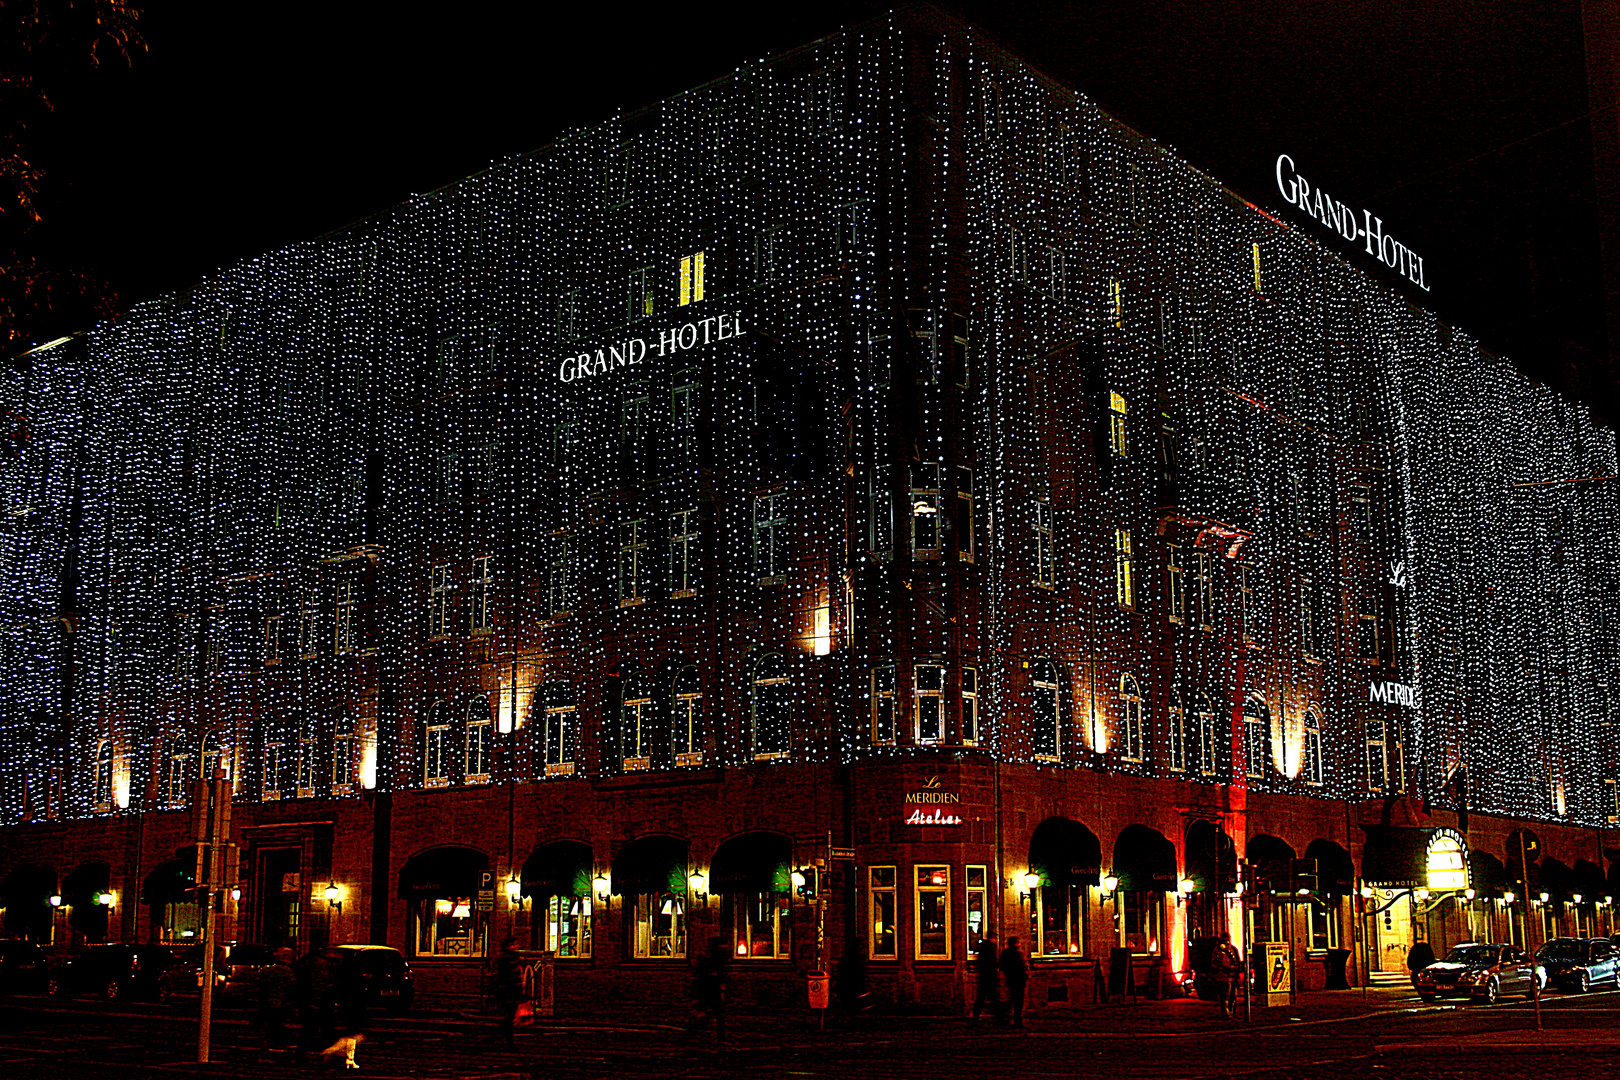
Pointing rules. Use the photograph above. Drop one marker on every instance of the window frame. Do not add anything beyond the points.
(1124, 574)
(1130, 708)
(876, 889)
(1045, 544)
(928, 895)
(970, 705)
(884, 701)
(687, 705)
(684, 547)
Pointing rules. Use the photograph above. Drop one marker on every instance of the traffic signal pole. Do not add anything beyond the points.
(213, 836)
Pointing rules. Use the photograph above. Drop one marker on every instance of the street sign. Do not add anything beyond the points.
(842, 853)
(485, 901)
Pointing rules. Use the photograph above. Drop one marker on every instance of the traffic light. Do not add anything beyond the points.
(1303, 880)
(806, 881)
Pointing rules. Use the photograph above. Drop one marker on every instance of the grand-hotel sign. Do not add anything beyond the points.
(1342, 219)
(632, 351)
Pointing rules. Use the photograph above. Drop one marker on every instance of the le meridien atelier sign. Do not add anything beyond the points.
(632, 351)
(1341, 218)
(932, 805)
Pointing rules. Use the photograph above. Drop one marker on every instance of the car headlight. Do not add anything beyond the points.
(1468, 978)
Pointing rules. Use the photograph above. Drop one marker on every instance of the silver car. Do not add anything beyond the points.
(1478, 971)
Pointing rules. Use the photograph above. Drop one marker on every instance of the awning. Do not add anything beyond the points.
(1395, 857)
(28, 884)
(1273, 856)
(1487, 874)
(1144, 861)
(1065, 853)
(560, 868)
(1211, 858)
(1586, 878)
(443, 872)
(171, 882)
(757, 862)
(1556, 879)
(652, 864)
(80, 888)
(1335, 872)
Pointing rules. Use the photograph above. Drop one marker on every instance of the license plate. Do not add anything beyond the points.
(388, 993)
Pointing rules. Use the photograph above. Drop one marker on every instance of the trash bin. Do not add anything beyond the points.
(1334, 963)
(817, 981)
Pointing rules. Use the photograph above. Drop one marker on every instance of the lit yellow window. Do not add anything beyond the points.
(1119, 304)
(1124, 579)
(691, 279)
(1116, 424)
(1256, 252)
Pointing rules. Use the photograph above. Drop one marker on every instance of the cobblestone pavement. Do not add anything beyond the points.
(1384, 1033)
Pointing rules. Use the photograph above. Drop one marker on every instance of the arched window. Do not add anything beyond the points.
(1312, 769)
(1130, 715)
(560, 735)
(772, 706)
(635, 722)
(1043, 693)
(436, 746)
(1256, 736)
(1176, 732)
(1206, 735)
(687, 719)
(476, 740)
(102, 795)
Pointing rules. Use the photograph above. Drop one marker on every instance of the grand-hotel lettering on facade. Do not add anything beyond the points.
(880, 461)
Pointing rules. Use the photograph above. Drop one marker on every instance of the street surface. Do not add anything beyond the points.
(1387, 1033)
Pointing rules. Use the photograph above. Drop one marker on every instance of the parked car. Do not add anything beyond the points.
(24, 968)
(383, 974)
(1479, 971)
(237, 970)
(1577, 963)
(117, 971)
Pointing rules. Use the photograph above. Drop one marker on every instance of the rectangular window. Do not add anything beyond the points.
(1124, 578)
(1058, 921)
(883, 943)
(568, 327)
(1141, 922)
(342, 762)
(1206, 590)
(270, 780)
(1116, 303)
(481, 618)
(559, 584)
(964, 514)
(1246, 602)
(976, 905)
(659, 919)
(691, 289)
(1018, 254)
(1117, 444)
(1206, 740)
(920, 321)
(882, 523)
(632, 562)
(1324, 926)
(931, 904)
(1309, 645)
(568, 926)
(476, 761)
(272, 638)
(759, 925)
(1611, 801)
(559, 738)
(926, 511)
(436, 755)
(185, 644)
(970, 706)
(883, 705)
(439, 602)
(308, 619)
(1176, 723)
(1377, 757)
(852, 239)
(1367, 627)
(641, 293)
(683, 550)
(478, 479)
(1177, 583)
(1254, 745)
(770, 523)
(1361, 515)
(771, 254)
(929, 703)
(1255, 253)
(683, 406)
(343, 625)
(616, 174)
(446, 479)
(958, 361)
(1045, 555)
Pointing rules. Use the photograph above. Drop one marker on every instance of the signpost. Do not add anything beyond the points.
(211, 807)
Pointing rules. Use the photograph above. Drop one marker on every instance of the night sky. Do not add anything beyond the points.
(1461, 123)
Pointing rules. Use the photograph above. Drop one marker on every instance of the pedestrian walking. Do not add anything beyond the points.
(316, 991)
(277, 987)
(988, 992)
(1015, 971)
(1225, 965)
(508, 990)
(348, 1013)
(709, 990)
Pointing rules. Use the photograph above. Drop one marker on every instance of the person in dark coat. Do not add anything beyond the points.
(277, 987)
(709, 989)
(1016, 973)
(988, 994)
(508, 990)
(317, 992)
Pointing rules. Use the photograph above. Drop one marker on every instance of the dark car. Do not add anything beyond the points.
(383, 976)
(1577, 963)
(24, 968)
(117, 971)
(1478, 971)
(237, 970)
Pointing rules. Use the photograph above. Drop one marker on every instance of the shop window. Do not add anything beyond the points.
(659, 919)
(1043, 691)
(964, 514)
(475, 761)
(1045, 553)
(1206, 736)
(448, 926)
(931, 907)
(929, 703)
(884, 941)
(1177, 583)
(1058, 921)
(1256, 737)
(1324, 924)
(1141, 920)
(568, 926)
(970, 706)
(481, 589)
(760, 924)
(926, 512)
(635, 722)
(688, 719)
(770, 535)
(683, 551)
(1124, 577)
(439, 602)
(976, 905)
(560, 736)
(772, 707)
(883, 705)
(1130, 714)
(1176, 733)
(1116, 425)
(632, 562)
(1312, 766)
(691, 279)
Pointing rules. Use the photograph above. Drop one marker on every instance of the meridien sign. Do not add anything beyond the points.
(1342, 219)
(632, 351)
